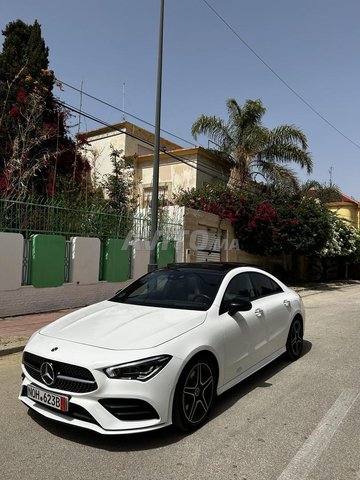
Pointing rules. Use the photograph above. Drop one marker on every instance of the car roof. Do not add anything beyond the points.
(215, 266)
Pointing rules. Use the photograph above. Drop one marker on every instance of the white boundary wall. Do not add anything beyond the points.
(85, 260)
(141, 258)
(28, 299)
(11, 259)
(84, 287)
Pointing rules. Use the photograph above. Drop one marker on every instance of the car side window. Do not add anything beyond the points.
(264, 285)
(239, 286)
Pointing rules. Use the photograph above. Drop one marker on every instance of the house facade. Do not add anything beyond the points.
(348, 209)
(182, 168)
(179, 168)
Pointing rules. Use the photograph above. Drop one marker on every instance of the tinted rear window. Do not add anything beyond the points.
(264, 285)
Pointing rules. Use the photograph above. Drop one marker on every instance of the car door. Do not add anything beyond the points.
(245, 337)
(273, 307)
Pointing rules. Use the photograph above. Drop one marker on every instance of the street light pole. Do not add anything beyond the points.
(155, 192)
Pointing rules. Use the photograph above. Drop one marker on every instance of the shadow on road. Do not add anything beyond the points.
(166, 436)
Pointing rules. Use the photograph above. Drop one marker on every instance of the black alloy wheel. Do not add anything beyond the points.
(295, 341)
(194, 394)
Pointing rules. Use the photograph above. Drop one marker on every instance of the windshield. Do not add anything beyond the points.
(190, 289)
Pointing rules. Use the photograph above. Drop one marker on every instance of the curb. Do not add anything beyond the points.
(9, 350)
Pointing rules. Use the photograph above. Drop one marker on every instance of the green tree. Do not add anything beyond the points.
(119, 186)
(252, 149)
(35, 146)
(24, 49)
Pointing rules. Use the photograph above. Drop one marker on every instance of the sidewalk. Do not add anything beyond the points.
(15, 331)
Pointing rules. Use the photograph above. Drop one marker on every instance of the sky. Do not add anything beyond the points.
(312, 45)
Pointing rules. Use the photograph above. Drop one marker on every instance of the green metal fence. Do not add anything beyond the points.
(32, 218)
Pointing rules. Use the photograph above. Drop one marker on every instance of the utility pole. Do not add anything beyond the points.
(155, 192)
(78, 130)
(123, 101)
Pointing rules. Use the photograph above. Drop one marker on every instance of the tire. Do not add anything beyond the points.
(295, 340)
(194, 394)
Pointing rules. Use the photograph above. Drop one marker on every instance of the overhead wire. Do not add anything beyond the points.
(93, 97)
(253, 51)
(284, 82)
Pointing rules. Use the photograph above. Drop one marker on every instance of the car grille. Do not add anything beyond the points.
(69, 378)
(129, 409)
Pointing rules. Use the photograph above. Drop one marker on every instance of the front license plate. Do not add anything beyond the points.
(59, 402)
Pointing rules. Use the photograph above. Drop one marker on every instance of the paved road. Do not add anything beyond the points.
(292, 421)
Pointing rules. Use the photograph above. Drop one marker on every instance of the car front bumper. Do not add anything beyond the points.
(115, 406)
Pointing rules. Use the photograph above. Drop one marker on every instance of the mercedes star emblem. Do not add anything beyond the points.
(47, 373)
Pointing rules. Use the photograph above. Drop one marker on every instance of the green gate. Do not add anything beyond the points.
(116, 260)
(166, 253)
(47, 260)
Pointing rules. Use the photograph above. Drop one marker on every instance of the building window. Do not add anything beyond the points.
(163, 196)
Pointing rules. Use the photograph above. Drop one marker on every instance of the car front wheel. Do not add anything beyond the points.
(194, 394)
(295, 341)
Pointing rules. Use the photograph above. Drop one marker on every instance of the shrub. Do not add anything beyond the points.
(264, 223)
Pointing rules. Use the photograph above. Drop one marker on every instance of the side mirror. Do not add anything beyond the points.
(240, 305)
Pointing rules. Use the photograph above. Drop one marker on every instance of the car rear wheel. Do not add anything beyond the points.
(194, 394)
(295, 341)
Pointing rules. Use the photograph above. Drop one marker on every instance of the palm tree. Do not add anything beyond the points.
(252, 149)
(326, 193)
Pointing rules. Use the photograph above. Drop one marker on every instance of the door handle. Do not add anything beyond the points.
(286, 303)
(259, 312)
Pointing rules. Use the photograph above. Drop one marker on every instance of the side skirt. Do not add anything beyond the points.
(251, 370)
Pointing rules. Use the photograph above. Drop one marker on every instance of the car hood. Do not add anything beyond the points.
(119, 326)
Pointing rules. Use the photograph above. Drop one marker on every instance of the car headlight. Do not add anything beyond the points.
(139, 370)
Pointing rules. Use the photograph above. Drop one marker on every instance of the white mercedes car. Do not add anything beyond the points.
(162, 349)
